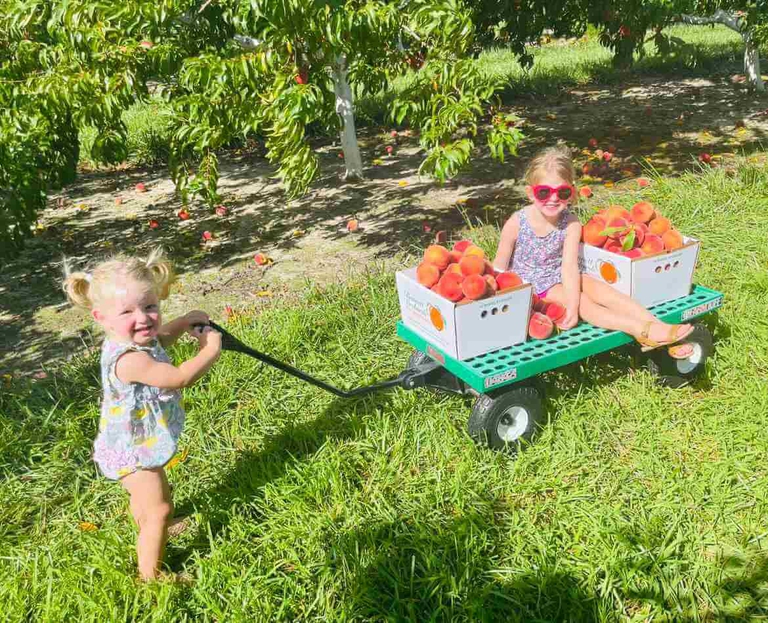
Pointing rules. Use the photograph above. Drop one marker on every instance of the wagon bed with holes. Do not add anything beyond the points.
(508, 407)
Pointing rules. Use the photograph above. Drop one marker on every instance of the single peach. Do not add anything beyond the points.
(612, 246)
(449, 286)
(585, 191)
(427, 274)
(652, 244)
(454, 267)
(617, 211)
(672, 239)
(437, 255)
(474, 287)
(474, 250)
(590, 233)
(659, 225)
(555, 312)
(633, 253)
(507, 280)
(472, 265)
(642, 212)
(462, 245)
(540, 326)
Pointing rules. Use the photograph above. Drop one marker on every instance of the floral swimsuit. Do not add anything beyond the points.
(140, 424)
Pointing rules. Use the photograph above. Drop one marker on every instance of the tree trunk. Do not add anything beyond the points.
(345, 109)
(751, 49)
(752, 64)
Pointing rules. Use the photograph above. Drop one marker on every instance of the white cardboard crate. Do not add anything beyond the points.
(649, 280)
(467, 329)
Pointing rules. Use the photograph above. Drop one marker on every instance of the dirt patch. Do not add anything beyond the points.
(659, 124)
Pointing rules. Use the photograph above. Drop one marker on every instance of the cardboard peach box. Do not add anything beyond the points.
(469, 328)
(651, 279)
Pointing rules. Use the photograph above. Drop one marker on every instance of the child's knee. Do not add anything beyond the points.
(159, 514)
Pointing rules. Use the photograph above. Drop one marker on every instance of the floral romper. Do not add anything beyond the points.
(140, 424)
(539, 260)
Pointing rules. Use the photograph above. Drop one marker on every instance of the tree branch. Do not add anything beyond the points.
(718, 17)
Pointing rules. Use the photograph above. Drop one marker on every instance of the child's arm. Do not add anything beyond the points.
(507, 243)
(171, 331)
(570, 274)
(140, 367)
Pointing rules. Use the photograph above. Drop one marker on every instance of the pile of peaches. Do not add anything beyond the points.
(637, 232)
(463, 273)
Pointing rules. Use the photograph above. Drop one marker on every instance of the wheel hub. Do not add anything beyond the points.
(512, 424)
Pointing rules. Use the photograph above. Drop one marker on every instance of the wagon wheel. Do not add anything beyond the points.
(507, 419)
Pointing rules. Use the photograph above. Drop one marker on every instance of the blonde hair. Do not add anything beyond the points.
(88, 289)
(552, 159)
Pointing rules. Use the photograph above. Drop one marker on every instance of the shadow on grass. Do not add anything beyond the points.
(241, 486)
(427, 569)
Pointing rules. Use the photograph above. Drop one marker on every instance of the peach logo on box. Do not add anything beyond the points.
(608, 271)
(436, 318)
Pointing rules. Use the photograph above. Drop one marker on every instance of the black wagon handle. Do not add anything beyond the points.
(408, 379)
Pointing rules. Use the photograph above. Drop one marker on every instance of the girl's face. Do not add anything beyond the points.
(551, 206)
(132, 314)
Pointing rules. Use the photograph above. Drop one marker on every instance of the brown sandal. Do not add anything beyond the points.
(646, 343)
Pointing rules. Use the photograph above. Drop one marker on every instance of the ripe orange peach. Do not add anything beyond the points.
(633, 253)
(427, 274)
(474, 250)
(585, 191)
(472, 265)
(642, 212)
(540, 326)
(590, 233)
(508, 280)
(462, 245)
(454, 267)
(659, 225)
(449, 286)
(613, 246)
(474, 287)
(672, 239)
(493, 287)
(437, 255)
(617, 211)
(652, 244)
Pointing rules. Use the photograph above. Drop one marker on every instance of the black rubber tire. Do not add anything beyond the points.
(672, 372)
(507, 419)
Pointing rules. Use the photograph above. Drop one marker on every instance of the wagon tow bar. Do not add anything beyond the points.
(410, 378)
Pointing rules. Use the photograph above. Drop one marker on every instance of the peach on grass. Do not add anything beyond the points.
(585, 191)
(652, 244)
(437, 255)
(591, 232)
(449, 286)
(427, 274)
(261, 259)
(474, 287)
(642, 212)
(472, 265)
(508, 279)
(659, 225)
(353, 225)
(540, 327)
(672, 239)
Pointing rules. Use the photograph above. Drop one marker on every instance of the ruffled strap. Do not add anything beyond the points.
(113, 352)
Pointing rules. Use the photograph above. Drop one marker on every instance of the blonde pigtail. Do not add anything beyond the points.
(77, 287)
(162, 273)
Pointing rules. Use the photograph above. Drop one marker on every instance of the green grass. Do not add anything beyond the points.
(635, 503)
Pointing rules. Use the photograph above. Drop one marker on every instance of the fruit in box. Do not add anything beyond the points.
(633, 233)
(462, 273)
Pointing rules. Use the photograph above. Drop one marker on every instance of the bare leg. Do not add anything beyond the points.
(152, 509)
